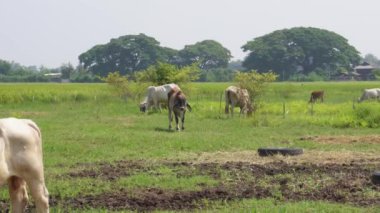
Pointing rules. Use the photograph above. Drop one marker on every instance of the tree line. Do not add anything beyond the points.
(301, 53)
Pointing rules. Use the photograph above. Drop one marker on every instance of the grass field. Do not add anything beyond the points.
(101, 154)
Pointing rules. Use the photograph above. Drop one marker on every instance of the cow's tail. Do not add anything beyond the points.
(34, 126)
(189, 107)
(227, 96)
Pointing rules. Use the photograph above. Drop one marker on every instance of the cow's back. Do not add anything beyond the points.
(233, 89)
(20, 146)
(233, 93)
(371, 93)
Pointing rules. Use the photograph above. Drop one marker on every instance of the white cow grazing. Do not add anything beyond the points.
(21, 163)
(236, 96)
(157, 95)
(370, 94)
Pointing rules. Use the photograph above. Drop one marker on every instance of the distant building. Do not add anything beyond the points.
(346, 76)
(364, 71)
(54, 77)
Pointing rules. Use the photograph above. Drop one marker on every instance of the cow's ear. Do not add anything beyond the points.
(188, 107)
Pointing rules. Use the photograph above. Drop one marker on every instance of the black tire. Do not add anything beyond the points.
(376, 177)
(281, 151)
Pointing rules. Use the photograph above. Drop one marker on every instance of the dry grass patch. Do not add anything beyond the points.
(28, 114)
(123, 121)
(343, 139)
(312, 157)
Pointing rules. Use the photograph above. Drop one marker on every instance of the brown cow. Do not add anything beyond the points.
(316, 95)
(177, 104)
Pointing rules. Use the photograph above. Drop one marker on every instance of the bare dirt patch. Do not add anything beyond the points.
(109, 171)
(343, 139)
(346, 183)
(285, 181)
(312, 157)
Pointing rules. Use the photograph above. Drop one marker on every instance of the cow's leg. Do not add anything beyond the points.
(40, 194)
(170, 119)
(183, 121)
(159, 106)
(176, 121)
(227, 108)
(18, 194)
(155, 103)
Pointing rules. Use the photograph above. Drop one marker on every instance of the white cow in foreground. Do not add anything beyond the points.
(236, 96)
(370, 94)
(21, 163)
(157, 95)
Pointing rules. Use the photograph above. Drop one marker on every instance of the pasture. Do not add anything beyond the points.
(101, 154)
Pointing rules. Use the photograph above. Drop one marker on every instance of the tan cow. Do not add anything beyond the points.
(21, 163)
(236, 96)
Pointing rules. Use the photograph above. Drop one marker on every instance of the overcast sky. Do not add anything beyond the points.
(53, 32)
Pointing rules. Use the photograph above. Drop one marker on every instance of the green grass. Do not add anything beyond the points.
(86, 123)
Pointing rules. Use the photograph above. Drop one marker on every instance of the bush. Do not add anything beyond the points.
(118, 82)
(368, 115)
(84, 77)
(123, 87)
(216, 75)
(164, 73)
(312, 76)
(255, 83)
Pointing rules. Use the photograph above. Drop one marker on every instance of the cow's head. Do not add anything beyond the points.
(180, 102)
(143, 107)
(250, 109)
(246, 100)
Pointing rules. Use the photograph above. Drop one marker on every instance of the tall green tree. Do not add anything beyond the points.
(300, 50)
(208, 54)
(372, 59)
(66, 70)
(5, 67)
(125, 54)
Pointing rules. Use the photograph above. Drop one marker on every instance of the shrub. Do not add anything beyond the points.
(118, 82)
(368, 115)
(164, 73)
(254, 82)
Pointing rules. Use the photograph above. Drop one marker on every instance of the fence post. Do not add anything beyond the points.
(220, 104)
(353, 104)
(312, 108)
(283, 109)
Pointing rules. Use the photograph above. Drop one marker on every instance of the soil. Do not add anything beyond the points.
(344, 139)
(337, 183)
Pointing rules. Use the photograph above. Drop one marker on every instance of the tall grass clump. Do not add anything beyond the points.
(368, 115)
(51, 93)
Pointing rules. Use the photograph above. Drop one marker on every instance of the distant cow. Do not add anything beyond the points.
(177, 104)
(21, 163)
(370, 94)
(157, 95)
(236, 96)
(315, 95)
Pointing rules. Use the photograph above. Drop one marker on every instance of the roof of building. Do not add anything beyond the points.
(363, 66)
